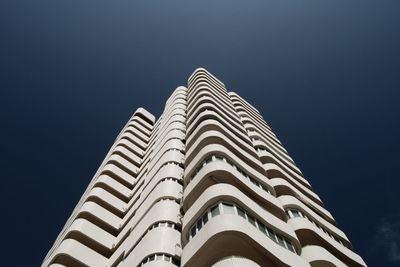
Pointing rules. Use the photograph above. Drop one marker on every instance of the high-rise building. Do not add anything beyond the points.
(207, 184)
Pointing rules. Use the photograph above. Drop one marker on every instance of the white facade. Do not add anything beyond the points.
(207, 184)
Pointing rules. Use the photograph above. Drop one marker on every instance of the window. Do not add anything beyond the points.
(193, 231)
(205, 218)
(272, 235)
(214, 211)
(251, 220)
(228, 209)
(292, 213)
(280, 240)
(290, 246)
(241, 212)
(261, 227)
(296, 213)
(199, 224)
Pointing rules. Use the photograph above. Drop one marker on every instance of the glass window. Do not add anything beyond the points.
(251, 219)
(261, 227)
(295, 213)
(287, 213)
(271, 234)
(193, 231)
(205, 218)
(176, 262)
(199, 224)
(167, 258)
(280, 240)
(228, 208)
(219, 158)
(159, 257)
(151, 258)
(241, 212)
(215, 211)
(290, 246)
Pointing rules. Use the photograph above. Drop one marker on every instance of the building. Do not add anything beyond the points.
(207, 184)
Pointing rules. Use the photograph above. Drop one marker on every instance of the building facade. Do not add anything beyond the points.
(207, 184)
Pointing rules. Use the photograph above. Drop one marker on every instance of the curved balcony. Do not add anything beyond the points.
(210, 133)
(144, 114)
(111, 185)
(238, 98)
(289, 202)
(212, 114)
(127, 143)
(215, 149)
(160, 214)
(134, 139)
(260, 124)
(203, 75)
(320, 257)
(229, 234)
(160, 260)
(140, 125)
(164, 189)
(123, 164)
(169, 156)
(133, 129)
(255, 133)
(208, 103)
(274, 171)
(251, 126)
(128, 155)
(232, 261)
(230, 193)
(257, 118)
(215, 125)
(119, 175)
(73, 253)
(162, 240)
(205, 95)
(200, 73)
(219, 172)
(267, 144)
(272, 143)
(282, 187)
(91, 236)
(205, 84)
(100, 216)
(309, 234)
(267, 157)
(107, 201)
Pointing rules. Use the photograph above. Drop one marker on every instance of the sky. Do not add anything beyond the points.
(324, 74)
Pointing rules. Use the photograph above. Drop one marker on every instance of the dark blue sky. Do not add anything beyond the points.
(324, 74)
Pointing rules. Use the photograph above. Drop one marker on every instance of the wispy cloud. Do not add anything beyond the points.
(388, 238)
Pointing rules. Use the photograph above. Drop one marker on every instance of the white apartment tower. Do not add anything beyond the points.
(207, 184)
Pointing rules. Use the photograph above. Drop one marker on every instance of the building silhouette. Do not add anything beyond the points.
(207, 184)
